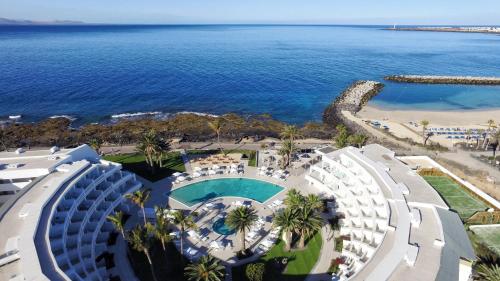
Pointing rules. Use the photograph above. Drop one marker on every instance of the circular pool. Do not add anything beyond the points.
(222, 228)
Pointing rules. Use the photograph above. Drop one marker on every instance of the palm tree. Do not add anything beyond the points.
(140, 197)
(495, 141)
(140, 240)
(117, 219)
(287, 149)
(308, 222)
(96, 144)
(241, 219)
(207, 268)
(468, 134)
(314, 201)
(341, 139)
(482, 134)
(216, 126)
(358, 140)
(294, 199)
(184, 221)
(290, 132)
(491, 124)
(489, 272)
(149, 146)
(424, 124)
(161, 229)
(287, 220)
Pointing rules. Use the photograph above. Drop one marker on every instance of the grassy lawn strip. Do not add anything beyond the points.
(136, 163)
(300, 262)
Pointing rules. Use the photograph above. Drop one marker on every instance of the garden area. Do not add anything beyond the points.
(298, 262)
(458, 199)
(136, 163)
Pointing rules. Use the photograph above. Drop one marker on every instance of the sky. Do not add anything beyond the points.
(477, 12)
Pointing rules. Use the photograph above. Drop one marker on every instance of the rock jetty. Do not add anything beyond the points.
(467, 29)
(430, 79)
(352, 99)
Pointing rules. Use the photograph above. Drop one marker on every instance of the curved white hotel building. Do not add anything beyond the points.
(394, 225)
(54, 227)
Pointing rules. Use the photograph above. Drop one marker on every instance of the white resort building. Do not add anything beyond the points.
(394, 225)
(55, 227)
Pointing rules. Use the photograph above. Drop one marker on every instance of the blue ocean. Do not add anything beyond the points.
(291, 72)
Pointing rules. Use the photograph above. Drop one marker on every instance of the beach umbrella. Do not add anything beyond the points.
(176, 174)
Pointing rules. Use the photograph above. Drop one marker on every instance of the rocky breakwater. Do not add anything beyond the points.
(430, 79)
(352, 99)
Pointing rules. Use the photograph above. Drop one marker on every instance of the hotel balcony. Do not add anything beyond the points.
(72, 242)
(73, 228)
(78, 216)
(93, 195)
(91, 227)
(87, 238)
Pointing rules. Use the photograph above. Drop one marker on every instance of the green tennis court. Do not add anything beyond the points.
(456, 197)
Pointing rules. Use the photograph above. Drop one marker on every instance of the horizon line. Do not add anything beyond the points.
(77, 23)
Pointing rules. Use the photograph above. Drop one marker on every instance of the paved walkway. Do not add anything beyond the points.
(327, 254)
(185, 159)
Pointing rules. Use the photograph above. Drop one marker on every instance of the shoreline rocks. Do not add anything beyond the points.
(430, 79)
(352, 99)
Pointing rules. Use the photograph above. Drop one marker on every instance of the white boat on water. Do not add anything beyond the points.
(15, 117)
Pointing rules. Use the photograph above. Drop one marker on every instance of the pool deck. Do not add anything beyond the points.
(227, 255)
(159, 197)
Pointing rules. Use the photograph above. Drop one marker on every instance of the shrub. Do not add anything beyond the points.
(338, 244)
(255, 271)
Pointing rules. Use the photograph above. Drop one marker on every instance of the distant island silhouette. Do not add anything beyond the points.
(5, 21)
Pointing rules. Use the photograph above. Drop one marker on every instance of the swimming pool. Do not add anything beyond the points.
(202, 191)
(221, 227)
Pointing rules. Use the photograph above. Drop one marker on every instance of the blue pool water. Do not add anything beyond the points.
(237, 187)
(291, 72)
(222, 228)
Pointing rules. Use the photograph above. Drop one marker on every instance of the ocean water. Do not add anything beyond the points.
(292, 72)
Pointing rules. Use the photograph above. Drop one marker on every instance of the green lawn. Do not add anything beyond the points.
(456, 197)
(300, 262)
(136, 163)
(489, 236)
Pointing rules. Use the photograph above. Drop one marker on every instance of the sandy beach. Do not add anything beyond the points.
(405, 123)
(444, 118)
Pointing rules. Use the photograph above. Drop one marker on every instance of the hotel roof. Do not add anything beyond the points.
(440, 237)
